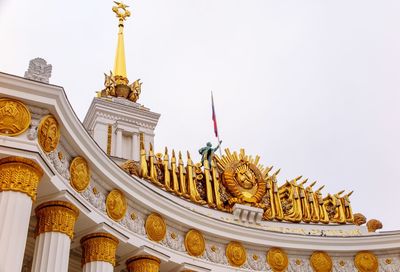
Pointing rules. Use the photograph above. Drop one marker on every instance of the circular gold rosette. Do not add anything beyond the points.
(366, 262)
(155, 227)
(321, 262)
(194, 243)
(242, 177)
(80, 174)
(277, 259)
(236, 254)
(48, 133)
(116, 205)
(15, 117)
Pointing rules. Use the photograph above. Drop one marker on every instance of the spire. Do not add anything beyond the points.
(120, 65)
(116, 83)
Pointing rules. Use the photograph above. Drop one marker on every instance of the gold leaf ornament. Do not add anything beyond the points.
(277, 259)
(194, 243)
(236, 254)
(15, 117)
(80, 174)
(116, 205)
(321, 262)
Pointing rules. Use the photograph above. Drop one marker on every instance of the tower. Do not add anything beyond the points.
(115, 120)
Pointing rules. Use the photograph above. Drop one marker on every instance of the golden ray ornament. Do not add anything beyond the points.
(366, 261)
(236, 254)
(15, 117)
(48, 133)
(116, 205)
(277, 259)
(321, 262)
(80, 174)
(194, 243)
(156, 228)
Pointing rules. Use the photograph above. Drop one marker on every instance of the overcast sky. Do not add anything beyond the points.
(313, 87)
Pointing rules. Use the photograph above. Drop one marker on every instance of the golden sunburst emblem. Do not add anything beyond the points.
(243, 176)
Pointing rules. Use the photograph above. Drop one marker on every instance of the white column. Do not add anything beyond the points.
(19, 180)
(118, 144)
(98, 252)
(98, 267)
(54, 230)
(135, 147)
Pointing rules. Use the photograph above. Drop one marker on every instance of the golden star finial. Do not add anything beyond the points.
(121, 11)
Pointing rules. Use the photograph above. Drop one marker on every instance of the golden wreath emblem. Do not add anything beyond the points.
(194, 243)
(242, 176)
(236, 254)
(156, 228)
(366, 261)
(15, 117)
(80, 174)
(321, 262)
(48, 133)
(277, 259)
(116, 205)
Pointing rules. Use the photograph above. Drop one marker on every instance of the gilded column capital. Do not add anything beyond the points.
(143, 263)
(20, 175)
(56, 216)
(100, 247)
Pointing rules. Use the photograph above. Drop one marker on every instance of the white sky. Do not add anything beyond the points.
(310, 86)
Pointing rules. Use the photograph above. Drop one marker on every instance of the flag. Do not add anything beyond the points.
(214, 117)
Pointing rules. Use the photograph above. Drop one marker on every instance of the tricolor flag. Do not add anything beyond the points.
(214, 117)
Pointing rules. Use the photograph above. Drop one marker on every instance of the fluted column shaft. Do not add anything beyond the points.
(19, 179)
(143, 263)
(98, 252)
(54, 232)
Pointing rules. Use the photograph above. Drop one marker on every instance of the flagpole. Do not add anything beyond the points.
(214, 117)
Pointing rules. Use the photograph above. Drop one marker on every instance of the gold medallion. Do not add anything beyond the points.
(236, 254)
(366, 262)
(15, 117)
(80, 174)
(48, 133)
(116, 205)
(155, 227)
(194, 243)
(321, 262)
(277, 259)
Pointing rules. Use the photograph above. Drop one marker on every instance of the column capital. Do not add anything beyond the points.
(143, 263)
(20, 174)
(56, 216)
(100, 247)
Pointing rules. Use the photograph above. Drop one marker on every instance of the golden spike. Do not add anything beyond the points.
(349, 194)
(175, 182)
(277, 172)
(303, 182)
(217, 195)
(120, 63)
(209, 191)
(320, 188)
(143, 162)
(188, 155)
(235, 156)
(182, 180)
(299, 177)
(167, 178)
(341, 192)
(312, 184)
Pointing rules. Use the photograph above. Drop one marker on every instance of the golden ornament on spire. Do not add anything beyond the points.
(116, 83)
